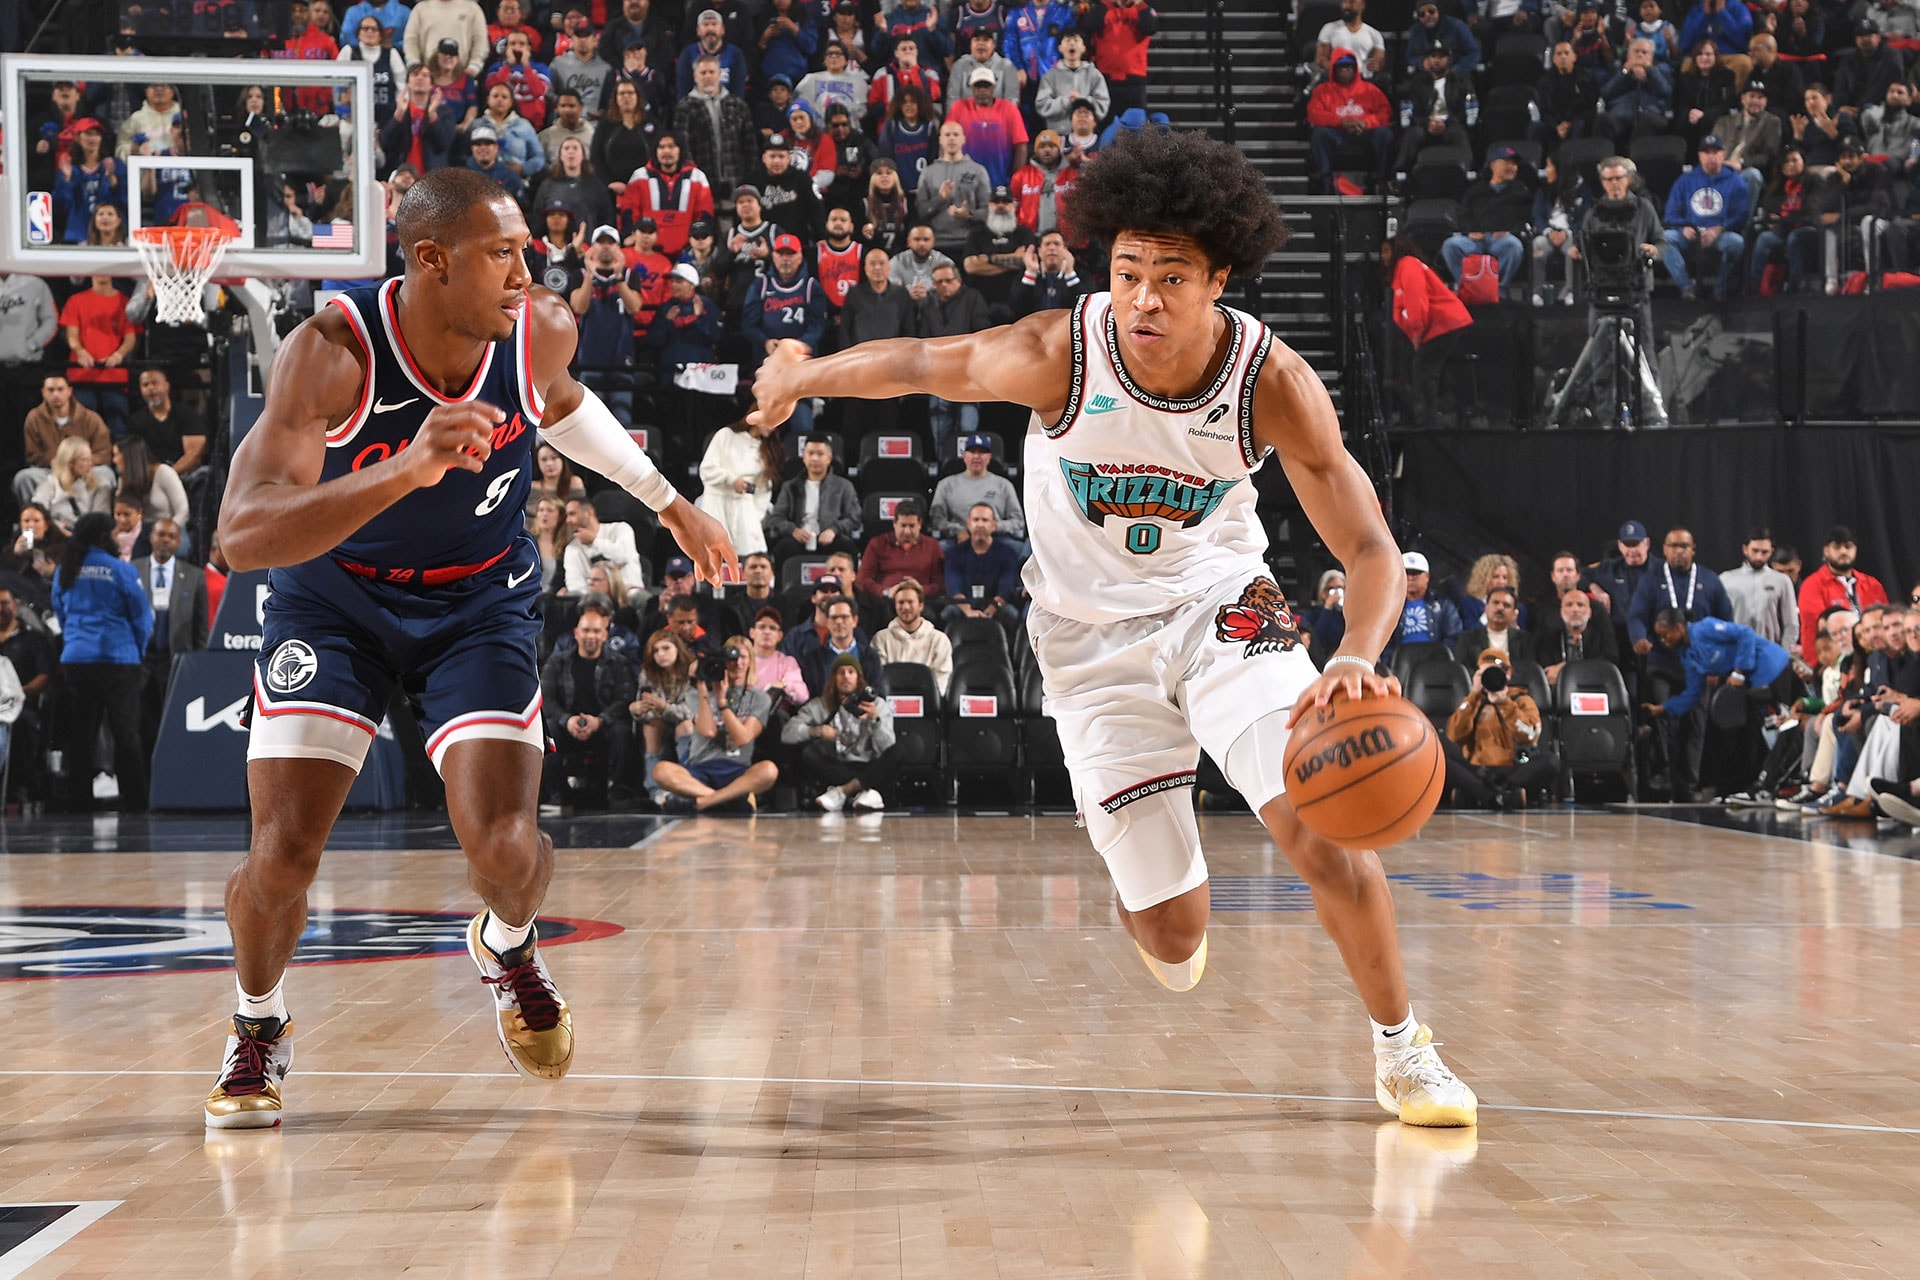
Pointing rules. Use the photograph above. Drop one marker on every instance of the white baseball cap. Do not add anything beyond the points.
(1414, 562)
(686, 271)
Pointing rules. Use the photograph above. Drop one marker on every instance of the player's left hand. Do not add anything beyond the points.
(774, 392)
(1348, 678)
(705, 541)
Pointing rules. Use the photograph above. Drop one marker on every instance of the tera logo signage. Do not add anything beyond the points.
(80, 942)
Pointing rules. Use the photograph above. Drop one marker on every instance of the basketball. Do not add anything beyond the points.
(1365, 774)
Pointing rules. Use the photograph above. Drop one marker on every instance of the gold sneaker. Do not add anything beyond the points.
(259, 1051)
(535, 1027)
(1184, 976)
(1413, 1084)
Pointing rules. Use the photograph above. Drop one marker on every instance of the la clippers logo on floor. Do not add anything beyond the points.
(1261, 620)
(79, 942)
(293, 666)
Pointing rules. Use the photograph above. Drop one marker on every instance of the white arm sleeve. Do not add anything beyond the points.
(594, 438)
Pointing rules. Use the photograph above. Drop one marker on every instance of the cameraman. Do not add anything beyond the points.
(1486, 735)
(1621, 209)
(724, 715)
(849, 745)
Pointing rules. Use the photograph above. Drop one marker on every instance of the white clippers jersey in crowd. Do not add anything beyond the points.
(1135, 504)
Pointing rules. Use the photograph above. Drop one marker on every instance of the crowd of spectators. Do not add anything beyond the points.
(1756, 685)
(1773, 142)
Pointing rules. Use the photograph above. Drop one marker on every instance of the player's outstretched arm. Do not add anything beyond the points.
(585, 430)
(1293, 415)
(1024, 363)
(276, 511)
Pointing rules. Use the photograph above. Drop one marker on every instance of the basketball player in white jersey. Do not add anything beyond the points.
(1157, 628)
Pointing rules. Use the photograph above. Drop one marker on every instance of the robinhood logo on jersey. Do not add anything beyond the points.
(1143, 490)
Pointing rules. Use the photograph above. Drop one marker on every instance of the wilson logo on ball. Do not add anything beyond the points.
(1358, 746)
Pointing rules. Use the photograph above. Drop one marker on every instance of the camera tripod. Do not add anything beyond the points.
(1612, 382)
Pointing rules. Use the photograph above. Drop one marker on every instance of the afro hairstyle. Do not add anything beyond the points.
(1177, 183)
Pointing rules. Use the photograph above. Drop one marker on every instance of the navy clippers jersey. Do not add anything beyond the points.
(471, 517)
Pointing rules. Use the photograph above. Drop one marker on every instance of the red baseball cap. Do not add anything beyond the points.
(786, 244)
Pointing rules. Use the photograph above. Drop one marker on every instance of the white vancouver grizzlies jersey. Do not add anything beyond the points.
(1137, 504)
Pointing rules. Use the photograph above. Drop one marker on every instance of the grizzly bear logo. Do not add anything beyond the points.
(1261, 620)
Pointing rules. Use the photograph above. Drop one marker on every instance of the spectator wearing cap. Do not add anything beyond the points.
(716, 126)
(710, 41)
(977, 483)
(1612, 580)
(643, 22)
(1705, 209)
(581, 72)
(1121, 32)
(686, 330)
(787, 196)
(1753, 136)
(672, 192)
(770, 109)
(996, 254)
(1424, 617)
(983, 573)
(87, 178)
(1729, 26)
(1438, 94)
(816, 511)
(1040, 182)
(848, 751)
(1048, 281)
(1432, 29)
(434, 22)
(784, 301)
(789, 39)
(995, 135)
(702, 251)
(907, 67)
(570, 180)
(1859, 198)
(982, 51)
(953, 191)
(839, 80)
(649, 272)
(570, 121)
(952, 310)
(1343, 109)
(1639, 96)
(484, 157)
(912, 637)
(633, 65)
(606, 308)
(843, 181)
(1497, 208)
(904, 551)
(806, 609)
(1836, 583)
(748, 250)
(1072, 79)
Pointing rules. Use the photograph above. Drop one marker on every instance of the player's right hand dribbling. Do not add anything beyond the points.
(454, 437)
(775, 399)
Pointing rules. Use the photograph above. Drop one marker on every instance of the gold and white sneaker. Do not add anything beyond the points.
(1413, 1084)
(535, 1027)
(259, 1051)
(1184, 976)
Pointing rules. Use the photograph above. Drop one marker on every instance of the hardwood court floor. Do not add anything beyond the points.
(920, 1047)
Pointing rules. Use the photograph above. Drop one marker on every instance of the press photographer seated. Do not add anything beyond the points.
(1486, 737)
(849, 748)
(723, 714)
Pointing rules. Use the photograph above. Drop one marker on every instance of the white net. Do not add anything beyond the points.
(180, 261)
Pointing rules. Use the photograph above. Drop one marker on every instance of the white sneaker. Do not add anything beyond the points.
(869, 799)
(1413, 1084)
(247, 1095)
(833, 800)
(1792, 803)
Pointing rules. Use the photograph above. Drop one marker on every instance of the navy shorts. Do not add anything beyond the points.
(335, 645)
(717, 771)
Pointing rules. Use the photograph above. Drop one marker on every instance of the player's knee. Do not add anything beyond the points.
(510, 852)
(285, 856)
(1172, 931)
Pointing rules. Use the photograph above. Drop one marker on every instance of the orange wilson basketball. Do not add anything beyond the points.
(1365, 774)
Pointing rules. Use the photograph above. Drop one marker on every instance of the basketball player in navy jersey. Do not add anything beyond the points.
(384, 485)
(1156, 626)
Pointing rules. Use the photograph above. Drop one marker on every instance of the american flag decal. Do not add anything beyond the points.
(333, 235)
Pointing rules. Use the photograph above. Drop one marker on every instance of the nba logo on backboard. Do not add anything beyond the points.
(39, 217)
(982, 706)
(1588, 704)
(888, 506)
(896, 446)
(909, 704)
(639, 435)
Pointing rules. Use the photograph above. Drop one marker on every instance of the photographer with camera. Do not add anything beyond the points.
(849, 748)
(1493, 739)
(724, 714)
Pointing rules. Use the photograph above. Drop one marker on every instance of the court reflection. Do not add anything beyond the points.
(1411, 1171)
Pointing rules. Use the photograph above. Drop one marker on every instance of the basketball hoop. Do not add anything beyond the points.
(179, 262)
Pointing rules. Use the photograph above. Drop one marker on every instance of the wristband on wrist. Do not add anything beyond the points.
(1353, 658)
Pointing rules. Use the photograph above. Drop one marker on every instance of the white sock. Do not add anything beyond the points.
(1397, 1037)
(502, 937)
(271, 1005)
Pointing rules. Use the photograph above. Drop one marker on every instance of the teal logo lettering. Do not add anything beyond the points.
(1134, 491)
(1102, 404)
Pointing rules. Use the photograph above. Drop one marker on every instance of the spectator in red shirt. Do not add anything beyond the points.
(1433, 318)
(509, 18)
(1345, 108)
(1836, 581)
(524, 80)
(310, 43)
(671, 192)
(996, 135)
(904, 553)
(100, 338)
(1120, 31)
(905, 69)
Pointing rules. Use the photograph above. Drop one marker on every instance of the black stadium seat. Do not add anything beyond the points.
(892, 475)
(917, 726)
(1409, 656)
(1040, 740)
(1660, 161)
(799, 571)
(1593, 720)
(983, 726)
(1437, 686)
(876, 509)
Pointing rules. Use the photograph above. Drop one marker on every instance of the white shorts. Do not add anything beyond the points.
(1137, 701)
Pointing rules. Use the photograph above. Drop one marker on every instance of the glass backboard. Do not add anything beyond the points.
(275, 147)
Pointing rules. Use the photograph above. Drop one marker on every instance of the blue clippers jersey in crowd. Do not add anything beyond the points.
(470, 517)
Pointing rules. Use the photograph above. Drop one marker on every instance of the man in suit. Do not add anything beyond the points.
(1497, 632)
(818, 511)
(178, 593)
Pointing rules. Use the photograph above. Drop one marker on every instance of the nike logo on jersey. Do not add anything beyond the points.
(513, 581)
(381, 406)
(1102, 404)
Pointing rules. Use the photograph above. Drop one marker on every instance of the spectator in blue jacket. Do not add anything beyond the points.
(1424, 616)
(787, 43)
(105, 624)
(1032, 41)
(1713, 647)
(1705, 211)
(1431, 27)
(710, 41)
(1729, 25)
(983, 573)
(1639, 96)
